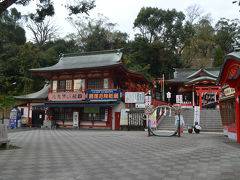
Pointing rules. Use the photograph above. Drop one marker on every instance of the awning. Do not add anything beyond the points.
(74, 105)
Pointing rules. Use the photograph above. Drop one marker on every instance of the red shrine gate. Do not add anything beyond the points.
(201, 90)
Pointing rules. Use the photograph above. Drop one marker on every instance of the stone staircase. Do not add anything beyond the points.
(210, 120)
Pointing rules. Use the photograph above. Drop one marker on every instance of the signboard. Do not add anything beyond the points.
(139, 105)
(124, 117)
(153, 120)
(134, 97)
(148, 100)
(103, 95)
(149, 110)
(179, 99)
(66, 96)
(229, 91)
(75, 119)
(197, 115)
(168, 95)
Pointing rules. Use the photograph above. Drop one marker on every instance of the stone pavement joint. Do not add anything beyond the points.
(81, 154)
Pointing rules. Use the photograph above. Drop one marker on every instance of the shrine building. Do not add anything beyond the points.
(194, 87)
(84, 90)
(229, 79)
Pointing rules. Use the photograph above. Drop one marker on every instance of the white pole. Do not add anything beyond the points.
(163, 89)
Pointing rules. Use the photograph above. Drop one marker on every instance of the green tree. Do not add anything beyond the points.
(46, 7)
(12, 36)
(166, 26)
(28, 58)
(218, 57)
(226, 31)
(152, 59)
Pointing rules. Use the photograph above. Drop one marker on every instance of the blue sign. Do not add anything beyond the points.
(104, 95)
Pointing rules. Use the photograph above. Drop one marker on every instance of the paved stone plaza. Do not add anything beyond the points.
(91, 154)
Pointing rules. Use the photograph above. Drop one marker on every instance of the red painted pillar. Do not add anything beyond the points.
(237, 116)
(109, 121)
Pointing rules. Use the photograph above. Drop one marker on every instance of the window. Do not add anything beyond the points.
(94, 114)
(68, 84)
(62, 114)
(54, 84)
(65, 85)
(94, 84)
(105, 83)
(62, 85)
(79, 84)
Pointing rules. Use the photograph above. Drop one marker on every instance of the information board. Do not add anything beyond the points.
(134, 97)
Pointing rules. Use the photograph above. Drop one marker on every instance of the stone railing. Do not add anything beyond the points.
(4, 136)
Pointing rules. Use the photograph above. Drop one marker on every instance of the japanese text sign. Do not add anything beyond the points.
(66, 96)
(103, 95)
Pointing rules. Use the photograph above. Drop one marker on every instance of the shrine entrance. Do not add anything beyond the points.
(207, 94)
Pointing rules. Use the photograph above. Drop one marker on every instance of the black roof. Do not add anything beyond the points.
(183, 75)
(85, 60)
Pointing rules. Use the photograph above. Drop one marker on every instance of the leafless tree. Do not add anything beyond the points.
(43, 31)
(193, 13)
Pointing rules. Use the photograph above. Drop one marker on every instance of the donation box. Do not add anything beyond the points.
(15, 116)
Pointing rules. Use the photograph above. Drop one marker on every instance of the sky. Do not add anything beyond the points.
(124, 12)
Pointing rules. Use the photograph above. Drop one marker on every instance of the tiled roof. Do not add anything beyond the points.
(85, 60)
(182, 75)
(42, 94)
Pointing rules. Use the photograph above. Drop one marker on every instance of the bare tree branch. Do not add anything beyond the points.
(43, 31)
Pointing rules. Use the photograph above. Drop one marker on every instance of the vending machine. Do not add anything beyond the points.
(15, 116)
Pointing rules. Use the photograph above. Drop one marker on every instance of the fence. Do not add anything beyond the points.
(136, 120)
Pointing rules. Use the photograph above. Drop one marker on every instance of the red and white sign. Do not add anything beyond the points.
(66, 96)
(179, 99)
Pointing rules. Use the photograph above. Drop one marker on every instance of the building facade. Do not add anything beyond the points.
(229, 79)
(194, 87)
(87, 90)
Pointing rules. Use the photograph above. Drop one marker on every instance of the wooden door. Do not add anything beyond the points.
(117, 120)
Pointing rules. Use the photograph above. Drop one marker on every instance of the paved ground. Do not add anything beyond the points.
(90, 154)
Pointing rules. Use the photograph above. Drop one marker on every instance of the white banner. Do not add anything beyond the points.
(134, 97)
(124, 117)
(75, 119)
(197, 115)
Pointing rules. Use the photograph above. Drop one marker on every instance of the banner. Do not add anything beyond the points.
(103, 95)
(66, 96)
(124, 117)
(134, 97)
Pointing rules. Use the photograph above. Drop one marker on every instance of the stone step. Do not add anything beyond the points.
(210, 120)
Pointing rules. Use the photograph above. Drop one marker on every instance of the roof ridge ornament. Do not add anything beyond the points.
(92, 53)
(236, 45)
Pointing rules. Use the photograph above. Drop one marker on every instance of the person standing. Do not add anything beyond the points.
(182, 123)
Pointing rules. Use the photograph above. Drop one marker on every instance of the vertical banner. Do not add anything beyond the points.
(196, 115)
(153, 119)
(75, 119)
(124, 117)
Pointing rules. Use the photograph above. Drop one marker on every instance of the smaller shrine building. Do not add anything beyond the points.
(194, 87)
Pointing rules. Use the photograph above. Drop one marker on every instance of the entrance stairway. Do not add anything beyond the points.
(210, 120)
